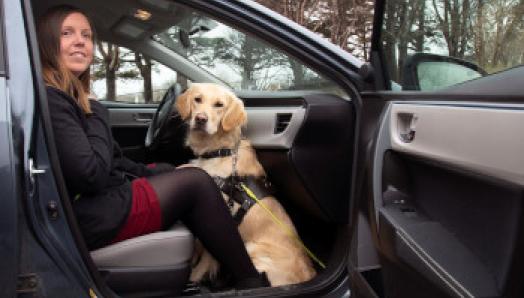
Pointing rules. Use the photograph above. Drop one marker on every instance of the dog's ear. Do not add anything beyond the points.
(235, 114)
(183, 105)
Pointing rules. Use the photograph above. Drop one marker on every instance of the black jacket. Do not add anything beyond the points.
(95, 171)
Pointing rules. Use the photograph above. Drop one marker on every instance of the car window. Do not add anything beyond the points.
(479, 38)
(239, 59)
(120, 74)
(431, 78)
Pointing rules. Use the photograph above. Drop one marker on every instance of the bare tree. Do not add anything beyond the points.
(337, 20)
(400, 35)
(113, 62)
(512, 13)
(452, 18)
(488, 33)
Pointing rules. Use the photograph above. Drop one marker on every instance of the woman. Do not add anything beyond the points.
(108, 206)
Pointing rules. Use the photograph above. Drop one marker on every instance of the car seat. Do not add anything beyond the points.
(152, 264)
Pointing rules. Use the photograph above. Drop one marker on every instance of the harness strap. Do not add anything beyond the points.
(261, 187)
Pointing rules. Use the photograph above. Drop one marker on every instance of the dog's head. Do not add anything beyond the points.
(211, 108)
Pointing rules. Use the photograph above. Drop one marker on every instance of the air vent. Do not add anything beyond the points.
(282, 122)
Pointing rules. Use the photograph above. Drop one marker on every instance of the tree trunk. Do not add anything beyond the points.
(247, 64)
(389, 40)
(298, 74)
(405, 22)
(110, 84)
(419, 39)
(144, 66)
(497, 43)
(111, 60)
(465, 27)
(512, 29)
(148, 86)
(479, 35)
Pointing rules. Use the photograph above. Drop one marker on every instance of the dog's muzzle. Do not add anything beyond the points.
(200, 121)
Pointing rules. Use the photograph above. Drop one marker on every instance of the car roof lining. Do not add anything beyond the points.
(107, 14)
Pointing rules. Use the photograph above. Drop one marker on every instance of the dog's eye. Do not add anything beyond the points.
(198, 100)
(218, 105)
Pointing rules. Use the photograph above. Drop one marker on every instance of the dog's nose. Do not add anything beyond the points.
(200, 119)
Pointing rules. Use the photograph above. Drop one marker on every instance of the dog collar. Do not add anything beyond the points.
(224, 152)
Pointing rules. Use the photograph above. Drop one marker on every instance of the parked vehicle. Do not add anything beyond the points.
(404, 174)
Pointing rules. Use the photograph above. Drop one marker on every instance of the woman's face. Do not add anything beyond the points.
(76, 43)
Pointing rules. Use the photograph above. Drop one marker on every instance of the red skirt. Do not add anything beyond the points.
(145, 215)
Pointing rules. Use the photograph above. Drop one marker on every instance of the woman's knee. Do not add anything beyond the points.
(195, 173)
(197, 179)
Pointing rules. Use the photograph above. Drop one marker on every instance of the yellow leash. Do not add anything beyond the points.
(282, 225)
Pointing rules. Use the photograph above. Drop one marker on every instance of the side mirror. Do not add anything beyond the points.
(428, 72)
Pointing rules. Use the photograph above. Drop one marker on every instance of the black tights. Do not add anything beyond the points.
(191, 195)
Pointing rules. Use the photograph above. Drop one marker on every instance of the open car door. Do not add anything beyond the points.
(441, 163)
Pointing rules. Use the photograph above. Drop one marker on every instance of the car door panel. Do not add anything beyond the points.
(273, 127)
(131, 117)
(129, 124)
(309, 161)
(446, 181)
(450, 133)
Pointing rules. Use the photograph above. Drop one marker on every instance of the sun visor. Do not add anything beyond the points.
(130, 28)
(163, 5)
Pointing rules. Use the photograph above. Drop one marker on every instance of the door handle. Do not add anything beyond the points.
(407, 123)
(143, 117)
(34, 170)
(407, 137)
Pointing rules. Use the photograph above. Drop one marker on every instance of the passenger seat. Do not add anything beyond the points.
(153, 264)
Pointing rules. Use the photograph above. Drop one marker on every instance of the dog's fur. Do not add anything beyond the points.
(271, 249)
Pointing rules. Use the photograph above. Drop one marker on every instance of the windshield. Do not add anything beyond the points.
(240, 60)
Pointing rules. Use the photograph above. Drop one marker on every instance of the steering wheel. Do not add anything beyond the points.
(160, 121)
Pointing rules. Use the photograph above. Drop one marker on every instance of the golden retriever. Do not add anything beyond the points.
(215, 116)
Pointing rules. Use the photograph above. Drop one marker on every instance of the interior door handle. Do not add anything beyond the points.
(407, 137)
(143, 117)
(407, 123)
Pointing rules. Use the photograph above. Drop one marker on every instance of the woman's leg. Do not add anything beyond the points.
(191, 195)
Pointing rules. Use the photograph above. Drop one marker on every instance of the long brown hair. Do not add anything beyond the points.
(55, 73)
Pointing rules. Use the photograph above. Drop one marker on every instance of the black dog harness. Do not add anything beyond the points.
(259, 186)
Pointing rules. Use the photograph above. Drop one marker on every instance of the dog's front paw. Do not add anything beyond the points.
(207, 267)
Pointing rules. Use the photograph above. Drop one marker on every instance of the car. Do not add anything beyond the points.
(403, 174)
